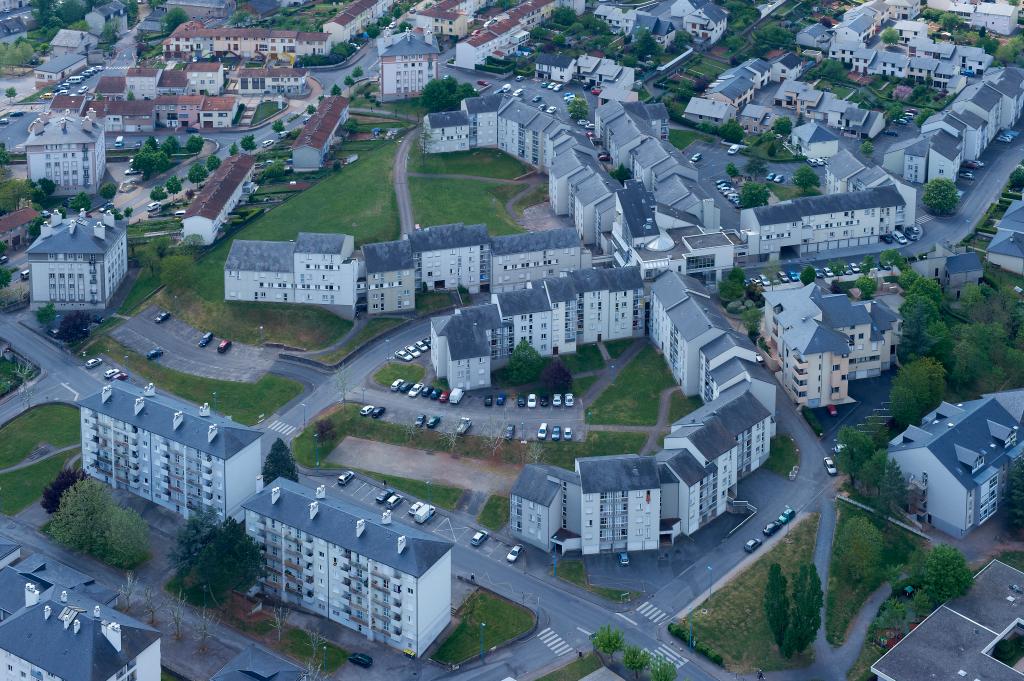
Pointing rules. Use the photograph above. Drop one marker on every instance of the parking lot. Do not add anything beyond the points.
(181, 350)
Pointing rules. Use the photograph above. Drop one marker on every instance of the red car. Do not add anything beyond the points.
(443, 397)
(224, 346)
(832, 411)
(595, 91)
(482, 83)
(120, 376)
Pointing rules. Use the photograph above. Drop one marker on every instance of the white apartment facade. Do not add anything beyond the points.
(167, 451)
(407, 65)
(67, 149)
(218, 197)
(448, 256)
(391, 583)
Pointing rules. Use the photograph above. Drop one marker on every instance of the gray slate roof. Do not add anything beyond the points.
(52, 573)
(442, 237)
(534, 483)
(81, 240)
(1007, 243)
(962, 263)
(623, 472)
(560, 61)
(685, 465)
(466, 331)
(388, 256)
(335, 522)
(410, 44)
(483, 104)
(58, 64)
(637, 210)
(523, 301)
(528, 242)
(256, 663)
(320, 243)
(260, 256)
(157, 416)
(447, 119)
(796, 209)
(714, 427)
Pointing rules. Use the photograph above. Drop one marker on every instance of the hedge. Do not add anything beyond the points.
(683, 635)
(812, 420)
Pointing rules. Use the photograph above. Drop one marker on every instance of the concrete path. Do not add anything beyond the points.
(400, 178)
(25, 463)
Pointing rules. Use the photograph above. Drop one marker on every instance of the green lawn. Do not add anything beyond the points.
(23, 487)
(734, 625)
(392, 371)
(586, 358)
(502, 620)
(786, 192)
(681, 139)
(438, 202)
(494, 514)
(617, 347)
(598, 442)
(845, 597)
(264, 110)
(782, 455)
(681, 405)
(442, 496)
(432, 301)
(244, 402)
(632, 399)
(575, 572)
(297, 644)
(54, 424)
(373, 327)
(575, 670)
(145, 284)
(581, 385)
(478, 162)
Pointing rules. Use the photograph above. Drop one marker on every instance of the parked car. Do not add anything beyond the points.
(361, 660)
(414, 391)
(110, 373)
(556, 401)
(394, 501)
(520, 401)
(829, 272)
(378, 412)
(162, 317)
(569, 400)
(421, 420)
(696, 157)
(443, 397)
(224, 346)
(771, 528)
(787, 515)
(120, 376)
(94, 362)
(500, 400)
(890, 133)
(345, 478)
(154, 353)
(623, 559)
(733, 150)
(479, 537)
(366, 411)
(205, 340)
(510, 432)
(488, 400)
(514, 553)
(433, 421)
(384, 495)
(542, 432)
(556, 433)
(752, 545)
(531, 401)
(830, 466)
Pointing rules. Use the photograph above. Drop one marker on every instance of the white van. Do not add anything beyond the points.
(542, 432)
(119, 142)
(733, 150)
(25, 274)
(154, 207)
(76, 79)
(505, 88)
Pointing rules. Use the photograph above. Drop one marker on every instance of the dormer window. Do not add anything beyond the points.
(978, 463)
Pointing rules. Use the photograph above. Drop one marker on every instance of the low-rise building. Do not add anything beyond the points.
(67, 149)
(68, 41)
(276, 80)
(57, 68)
(389, 582)
(1006, 250)
(218, 197)
(101, 15)
(407, 65)
(112, 88)
(142, 82)
(390, 277)
(701, 110)
(354, 19)
(14, 228)
(315, 269)
(204, 9)
(702, 19)
(312, 147)
(167, 451)
(193, 40)
(218, 112)
(558, 68)
(203, 78)
(814, 140)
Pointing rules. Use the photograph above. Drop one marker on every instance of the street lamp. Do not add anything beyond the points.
(316, 448)
(215, 400)
(303, 414)
(483, 626)
(710, 573)
(428, 493)
(325, 645)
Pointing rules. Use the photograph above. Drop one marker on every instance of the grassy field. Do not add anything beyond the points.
(297, 644)
(244, 402)
(54, 424)
(632, 399)
(439, 201)
(845, 596)
(575, 670)
(443, 496)
(264, 110)
(494, 514)
(734, 625)
(586, 358)
(680, 405)
(581, 385)
(575, 572)
(429, 302)
(145, 284)
(782, 455)
(599, 442)
(478, 162)
(785, 192)
(392, 371)
(21, 488)
(502, 620)
(373, 327)
(617, 347)
(681, 139)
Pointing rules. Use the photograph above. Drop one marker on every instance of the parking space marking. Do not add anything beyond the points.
(672, 656)
(652, 612)
(554, 642)
(283, 428)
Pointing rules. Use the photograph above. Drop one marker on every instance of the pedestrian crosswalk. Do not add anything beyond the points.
(282, 427)
(672, 656)
(922, 219)
(554, 642)
(651, 612)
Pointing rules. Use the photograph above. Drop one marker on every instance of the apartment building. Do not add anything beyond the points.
(313, 269)
(312, 148)
(509, 33)
(823, 341)
(816, 224)
(192, 40)
(274, 80)
(167, 451)
(995, 17)
(407, 65)
(517, 260)
(446, 257)
(390, 277)
(67, 149)
(446, 131)
(78, 263)
(449, 17)
(354, 19)
(388, 582)
(218, 197)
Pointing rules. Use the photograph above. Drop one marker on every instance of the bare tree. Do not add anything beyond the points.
(24, 372)
(127, 590)
(151, 603)
(410, 431)
(534, 452)
(316, 642)
(342, 382)
(495, 436)
(280, 616)
(450, 439)
(315, 671)
(204, 628)
(176, 609)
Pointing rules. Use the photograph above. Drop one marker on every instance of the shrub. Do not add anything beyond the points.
(812, 420)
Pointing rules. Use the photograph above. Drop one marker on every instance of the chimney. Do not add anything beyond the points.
(81, 213)
(106, 393)
(179, 417)
(211, 432)
(96, 611)
(321, 492)
(76, 626)
(313, 508)
(205, 409)
(99, 230)
(56, 218)
(259, 483)
(63, 596)
(72, 226)
(109, 220)
(112, 630)
(149, 390)
(47, 610)
(275, 494)
(140, 402)
(401, 543)
(385, 518)
(360, 527)
(31, 594)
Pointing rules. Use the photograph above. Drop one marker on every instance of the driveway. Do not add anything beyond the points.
(181, 350)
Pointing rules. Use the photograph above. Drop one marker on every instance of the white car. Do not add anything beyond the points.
(550, 110)
(733, 150)
(830, 466)
(569, 400)
(415, 507)
(365, 411)
(514, 553)
(518, 92)
(396, 384)
(531, 401)
(556, 401)
(415, 390)
(413, 350)
(403, 355)
(94, 362)
(567, 433)
(268, 143)
(110, 373)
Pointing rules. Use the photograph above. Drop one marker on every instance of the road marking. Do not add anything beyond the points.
(584, 631)
(652, 612)
(71, 390)
(554, 642)
(626, 618)
(671, 655)
(283, 428)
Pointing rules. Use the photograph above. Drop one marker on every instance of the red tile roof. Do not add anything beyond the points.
(319, 129)
(138, 72)
(111, 85)
(207, 66)
(219, 104)
(192, 30)
(173, 78)
(220, 186)
(12, 221)
(271, 72)
(71, 103)
(515, 15)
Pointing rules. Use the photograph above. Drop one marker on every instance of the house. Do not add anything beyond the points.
(787, 67)
(101, 15)
(68, 149)
(619, 20)
(662, 30)
(142, 82)
(952, 270)
(702, 19)
(445, 131)
(961, 634)
(57, 68)
(354, 19)
(738, 85)
(390, 277)
(996, 17)
(204, 9)
(273, 80)
(68, 103)
(956, 460)
(12, 29)
(218, 112)
(256, 662)
(68, 42)
(814, 140)
(407, 65)
(846, 174)
(312, 147)
(701, 110)
(506, 36)
(153, 22)
(903, 10)
(1006, 250)
(815, 37)
(137, 115)
(556, 67)
(910, 31)
(193, 40)
(167, 451)
(14, 228)
(823, 341)
(218, 197)
(314, 269)
(112, 88)
(756, 118)
(411, 569)
(926, 157)
(604, 73)
(203, 78)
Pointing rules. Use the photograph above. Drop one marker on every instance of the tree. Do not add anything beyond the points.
(608, 641)
(756, 167)
(1017, 177)
(47, 186)
(635, 659)
(193, 537)
(729, 290)
(891, 495)
(867, 148)
(946, 574)
(197, 173)
(556, 377)
(170, 145)
(150, 162)
(867, 286)
(1013, 501)
(82, 201)
(5, 277)
(46, 314)
(751, 318)
(173, 184)
(11, 93)
(806, 179)
(213, 162)
(855, 449)
(357, 72)
(157, 193)
(126, 537)
(443, 94)
(949, 22)
(644, 45)
(732, 171)
(940, 196)
(621, 173)
(127, 590)
(662, 669)
(89, 520)
(231, 561)
(336, 91)
(194, 144)
(274, 171)
(310, 109)
(151, 603)
(858, 550)
(176, 609)
(278, 126)
(280, 616)
(890, 36)
(54, 492)
(916, 390)
(808, 275)
(524, 365)
(753, 194)
(248, 143)
(731, 131)
(108, 190)
(783, 126)
(173, 19)
(233, 149)
(776, 604)
(806, 615)
(279, 463)
(74, 327)
(577, 108)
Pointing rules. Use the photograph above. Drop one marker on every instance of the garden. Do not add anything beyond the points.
(484, 621)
